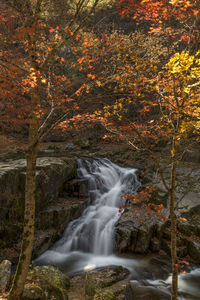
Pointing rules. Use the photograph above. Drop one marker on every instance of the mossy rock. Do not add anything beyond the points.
(46, 283)
(104, 295)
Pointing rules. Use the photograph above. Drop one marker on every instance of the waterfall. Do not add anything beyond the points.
(88, 242)
(93, 233)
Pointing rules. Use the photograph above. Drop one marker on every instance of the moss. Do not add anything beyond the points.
(46, 283)
(90, 286)
(104, 295)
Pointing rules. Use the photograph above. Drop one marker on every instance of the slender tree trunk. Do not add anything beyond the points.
(17, 287)
(174, 290)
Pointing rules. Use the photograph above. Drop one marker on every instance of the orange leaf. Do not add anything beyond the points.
(182, 219)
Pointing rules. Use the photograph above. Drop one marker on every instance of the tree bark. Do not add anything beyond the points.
(17, 287)
(174, 289)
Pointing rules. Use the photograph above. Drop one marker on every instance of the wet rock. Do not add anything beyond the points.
(52, 222)
(159, 267)
(59, 214)
(133, 237)
(126, 236)
(76, 188)
(137, 292)
(107, 276)
(5, 275)
(46, 282)
(194, 251)
(43, 239)
(108, 281)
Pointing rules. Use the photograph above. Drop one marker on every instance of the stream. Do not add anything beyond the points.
(88, 242)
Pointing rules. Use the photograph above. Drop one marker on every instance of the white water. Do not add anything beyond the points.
(88, 242)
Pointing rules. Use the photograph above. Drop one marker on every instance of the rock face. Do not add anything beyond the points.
(154, 236)
(5, 275)
(46, 283)
(53, 213)
(51, 174)
(52, 221)
(133, 237)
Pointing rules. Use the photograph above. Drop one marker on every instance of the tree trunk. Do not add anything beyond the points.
(18, 283)
(174, 289)
(28, 232)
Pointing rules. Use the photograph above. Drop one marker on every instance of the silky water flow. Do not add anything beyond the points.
(88, 242)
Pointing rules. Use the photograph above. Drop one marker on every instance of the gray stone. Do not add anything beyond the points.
(5, 275)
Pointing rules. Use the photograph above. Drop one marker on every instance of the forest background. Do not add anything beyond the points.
(61, 69)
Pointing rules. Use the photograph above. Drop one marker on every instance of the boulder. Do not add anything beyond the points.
(46, 283)
(5, 275)
(107, 276)
(101, 283)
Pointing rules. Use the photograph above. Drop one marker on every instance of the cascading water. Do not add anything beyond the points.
(91, 236)
(93, 232)
(88, 242)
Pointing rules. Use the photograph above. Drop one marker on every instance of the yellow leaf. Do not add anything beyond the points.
(98, 83)
(172, 153)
